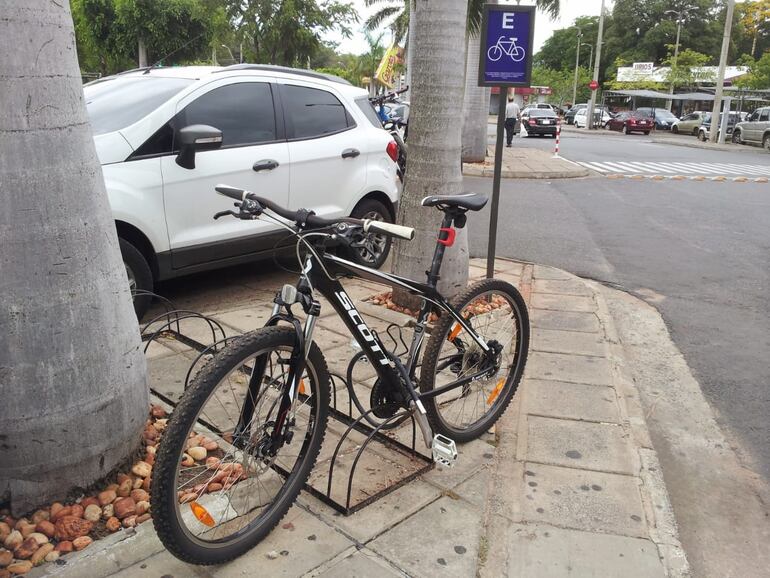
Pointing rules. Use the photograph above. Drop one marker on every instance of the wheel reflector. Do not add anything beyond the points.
(455, 332)
(302, 387)
(495, 392)
(202, 514)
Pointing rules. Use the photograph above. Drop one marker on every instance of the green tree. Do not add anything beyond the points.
(112, 35)
(755, 18)
(683, 72)
(73, 375)
(558, 51)
(758, 77)
(561, 82)
(289, 32)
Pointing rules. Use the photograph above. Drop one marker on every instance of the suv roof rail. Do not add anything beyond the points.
(286, 69)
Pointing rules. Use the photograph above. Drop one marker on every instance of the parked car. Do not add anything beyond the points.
(664, 119)
(631, 121)
(705, 127)
(540, 121)
(755, 130)
(569, 117)
(166, 136)
(602, 117)
(689, 123)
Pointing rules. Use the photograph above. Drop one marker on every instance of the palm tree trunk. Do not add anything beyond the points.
(434, 140)
(73, 379)
(475, 108)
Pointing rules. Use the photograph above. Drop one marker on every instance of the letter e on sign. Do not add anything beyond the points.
(508, 20)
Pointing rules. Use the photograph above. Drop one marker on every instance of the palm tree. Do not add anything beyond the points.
(72, 371)
(434, 140)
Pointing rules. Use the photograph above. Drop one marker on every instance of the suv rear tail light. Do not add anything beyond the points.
(392, 150)
(532, 121)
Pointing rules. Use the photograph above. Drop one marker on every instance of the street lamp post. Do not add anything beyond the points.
(577, 63)
(597, 61)
(681, 14)
(721, 80)
(226, 47)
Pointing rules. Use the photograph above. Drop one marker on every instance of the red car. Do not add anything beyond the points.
(628, 122)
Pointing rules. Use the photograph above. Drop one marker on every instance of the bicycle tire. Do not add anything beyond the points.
(504, 394)
(164, 498)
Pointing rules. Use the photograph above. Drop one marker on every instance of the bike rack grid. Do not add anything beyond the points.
(168, 324)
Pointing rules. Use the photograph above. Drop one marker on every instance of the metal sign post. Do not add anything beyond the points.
(505, 60)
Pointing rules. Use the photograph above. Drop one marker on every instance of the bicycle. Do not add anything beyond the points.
(508, 47)
(260, 405)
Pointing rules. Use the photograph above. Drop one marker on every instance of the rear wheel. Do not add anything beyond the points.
(497, 313)
(215, 504)
(702, 136)
(737, 137)
(766, 142)
(370, 249)
(675, 129)
(625, 129)
(139, 276)
(646, 132)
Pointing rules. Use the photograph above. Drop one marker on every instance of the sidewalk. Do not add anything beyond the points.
(526, 163)
(568, 484)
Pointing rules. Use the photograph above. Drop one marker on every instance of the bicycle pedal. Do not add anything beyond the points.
(444, 451)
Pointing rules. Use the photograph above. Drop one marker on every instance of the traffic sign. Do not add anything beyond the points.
(507, 34)
(593, 85)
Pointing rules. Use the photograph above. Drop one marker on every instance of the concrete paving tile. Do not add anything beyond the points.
(542, 551)
(563, 302)
(583, 500)
(574, 342)
(572, 368)
(580, 444)
(379, 516)
(167, 374)
(303, 542)
(441, 539)
(163, 564)
(542, 272)
(362, 563)
(565, 320)
(246, 318)
(156, 349)
(571, 401)
(474, 489)
(561, 287)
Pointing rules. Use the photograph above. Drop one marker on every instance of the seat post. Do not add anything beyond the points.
(438, 254)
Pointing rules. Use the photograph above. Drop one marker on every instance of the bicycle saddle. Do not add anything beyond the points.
(467, 201)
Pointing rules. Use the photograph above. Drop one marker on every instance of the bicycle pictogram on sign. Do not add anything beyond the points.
(508, 47)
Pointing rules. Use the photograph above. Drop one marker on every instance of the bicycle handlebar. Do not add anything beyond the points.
(304, 217)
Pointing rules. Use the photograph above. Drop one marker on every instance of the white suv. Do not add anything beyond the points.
(166, 136)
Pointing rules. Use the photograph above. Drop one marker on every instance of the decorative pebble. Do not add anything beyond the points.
(197, 453)
(20, 567)
(93, 513)
(113, 524)
(82, 542)
(13, 540)
(142, 469)
(70, 527)
(39, 556)
(272, 555)
(39, 537)
(6, 557)
(52, 556)
(107, 497)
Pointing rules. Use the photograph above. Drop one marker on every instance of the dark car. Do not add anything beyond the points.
(540, 121)
(628, 122)
(664, 119)
(569, 117)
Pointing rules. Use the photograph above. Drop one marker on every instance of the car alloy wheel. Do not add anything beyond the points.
(131, 280)
(373, 245)
(625, 129)
(737, 137)
(766, 142)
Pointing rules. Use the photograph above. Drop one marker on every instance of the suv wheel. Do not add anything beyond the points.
(766, 142)
(702, 135)
(139, 276)
(737, 137)
(371, 249)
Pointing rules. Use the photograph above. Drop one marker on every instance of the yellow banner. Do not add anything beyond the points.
(386, 69)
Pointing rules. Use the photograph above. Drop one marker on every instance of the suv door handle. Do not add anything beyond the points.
(265, 165)
(350, 153)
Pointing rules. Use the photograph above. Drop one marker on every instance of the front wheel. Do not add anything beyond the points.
(737, 137)
(675, 129)
(222, 480)
(702, 136)
(139, 276)
(766, 142)
(496, 312)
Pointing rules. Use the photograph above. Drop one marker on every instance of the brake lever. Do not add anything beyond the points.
(224, 214)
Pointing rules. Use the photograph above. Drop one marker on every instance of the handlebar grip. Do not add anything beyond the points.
(232, 192)
(389, 229)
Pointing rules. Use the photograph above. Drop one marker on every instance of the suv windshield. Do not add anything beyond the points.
(118, 102)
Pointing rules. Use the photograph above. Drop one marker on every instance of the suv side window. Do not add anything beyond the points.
(243, 112)
(312, 113)
(764, 115)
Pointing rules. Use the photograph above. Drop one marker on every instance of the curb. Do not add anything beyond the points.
(471, 170)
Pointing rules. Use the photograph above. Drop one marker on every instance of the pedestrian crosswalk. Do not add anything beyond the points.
(671, 169)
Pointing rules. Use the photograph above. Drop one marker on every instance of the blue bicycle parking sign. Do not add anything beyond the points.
(507, 33)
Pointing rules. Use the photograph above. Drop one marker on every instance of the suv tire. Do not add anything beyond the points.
(702, 136)
(139, 275)
(766, 142)
(737, 137)
(377, 246)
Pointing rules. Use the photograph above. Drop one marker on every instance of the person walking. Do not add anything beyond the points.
(512, 114)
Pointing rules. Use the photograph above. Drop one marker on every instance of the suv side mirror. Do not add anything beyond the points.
(196, 137)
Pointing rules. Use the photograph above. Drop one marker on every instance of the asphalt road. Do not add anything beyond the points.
(698, 251)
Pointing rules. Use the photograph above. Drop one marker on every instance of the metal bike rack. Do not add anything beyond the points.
(168, 324)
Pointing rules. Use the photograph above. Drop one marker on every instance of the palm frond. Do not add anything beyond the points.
(475, 12)
(375, 20)
(550, 7)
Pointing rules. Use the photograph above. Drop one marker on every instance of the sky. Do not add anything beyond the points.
(544, 27)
